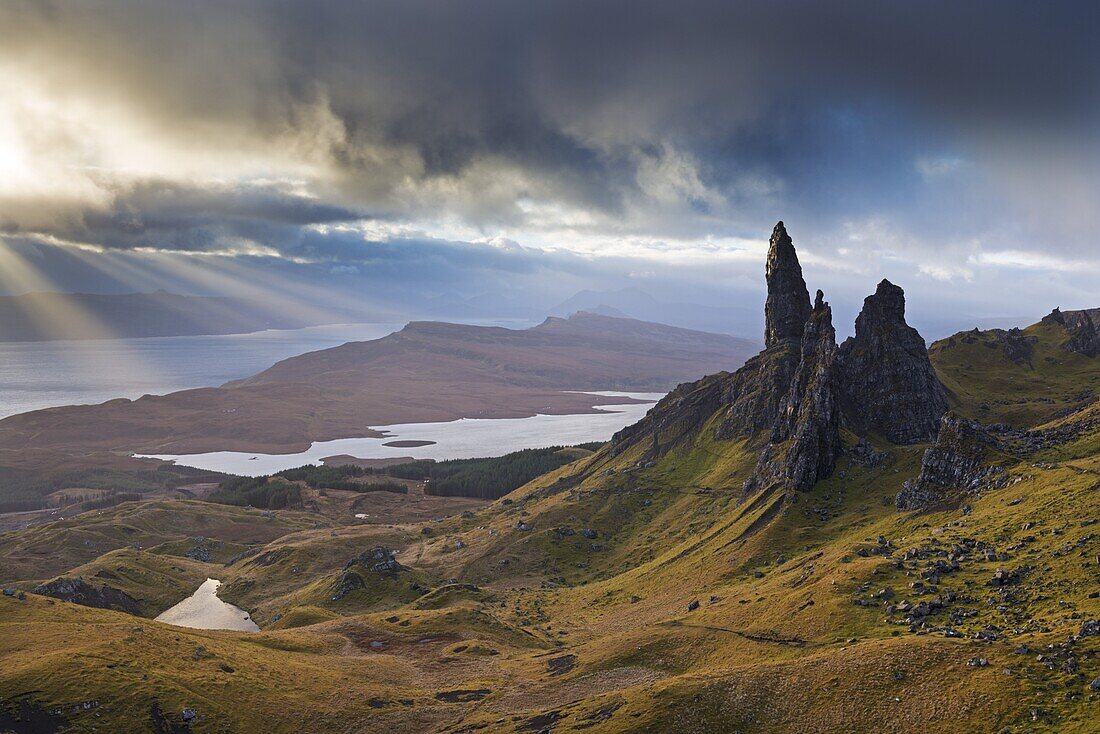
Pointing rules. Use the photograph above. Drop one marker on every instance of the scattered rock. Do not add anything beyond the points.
(462, 695)
(561, 664)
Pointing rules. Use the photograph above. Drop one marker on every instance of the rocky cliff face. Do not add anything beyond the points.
(677, 416)
(888, 385)
(953, 462)
(788, 306)
(791, 399)
(1083, 328)
(805, 438)
(78, 591)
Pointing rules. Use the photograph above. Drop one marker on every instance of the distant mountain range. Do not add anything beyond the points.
(53, 316)
(636, 303)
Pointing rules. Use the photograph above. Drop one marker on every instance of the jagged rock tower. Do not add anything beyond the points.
(791, 400)
(887, 381)
(788, 306)
(805, 440)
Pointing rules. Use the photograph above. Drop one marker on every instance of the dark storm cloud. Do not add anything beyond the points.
(937, 131)
(175, 216)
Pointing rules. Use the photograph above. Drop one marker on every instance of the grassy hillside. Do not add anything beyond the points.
(618, 594)
(986, 384)
(791, 632)
(46, 551)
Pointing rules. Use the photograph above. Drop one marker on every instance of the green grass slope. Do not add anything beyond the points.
(618, 595)
(987, 385)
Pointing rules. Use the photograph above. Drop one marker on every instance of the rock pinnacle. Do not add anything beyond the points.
(788, 305)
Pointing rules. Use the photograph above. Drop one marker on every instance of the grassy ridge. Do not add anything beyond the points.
(986, 385)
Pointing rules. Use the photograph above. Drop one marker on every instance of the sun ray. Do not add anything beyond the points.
(58, 315)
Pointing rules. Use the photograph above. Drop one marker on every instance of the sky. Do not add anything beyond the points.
(499, 157)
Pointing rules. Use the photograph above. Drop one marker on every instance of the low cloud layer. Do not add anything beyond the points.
(950, 145)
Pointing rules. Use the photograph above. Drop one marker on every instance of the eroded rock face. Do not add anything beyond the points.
(791, 399)
(788, 306)
(805, 438)
(953, 462)
(675, 416)
(1083, 328)
(887, 382)
(77, 591)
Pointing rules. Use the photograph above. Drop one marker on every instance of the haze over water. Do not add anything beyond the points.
(46, 374)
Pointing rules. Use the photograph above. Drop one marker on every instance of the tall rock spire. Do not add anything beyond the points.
(788, 305)
(805, 439)
(887, 381)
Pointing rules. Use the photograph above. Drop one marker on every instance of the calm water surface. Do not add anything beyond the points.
(204, 610)
(461, 439)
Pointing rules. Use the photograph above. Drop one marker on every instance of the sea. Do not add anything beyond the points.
(36, 375)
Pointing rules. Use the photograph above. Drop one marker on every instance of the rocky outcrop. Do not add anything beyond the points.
(78, 591)
(676, 416)
(888, 385)
(790, 400)
(750, 398)
(954, 462)
(1083, 328)
(805, 438)
(756, 392)
(788, 306)
(378, 559)
(1017, 346)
